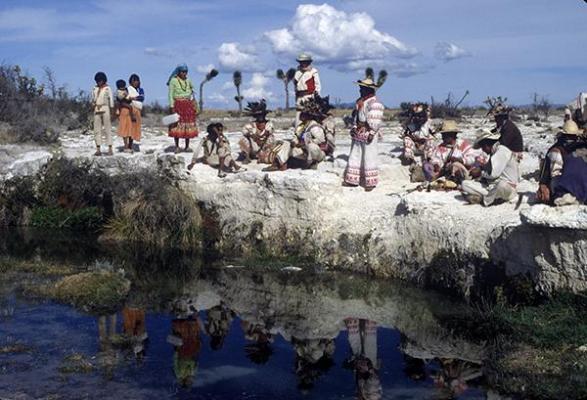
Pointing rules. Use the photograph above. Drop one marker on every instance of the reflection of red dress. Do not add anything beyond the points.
(189, 332)
(133, 321)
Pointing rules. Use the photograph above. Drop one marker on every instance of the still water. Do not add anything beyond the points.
(189, 331)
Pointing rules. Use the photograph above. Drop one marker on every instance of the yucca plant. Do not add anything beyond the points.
(286, 78)
(209, 76)
(237, 78)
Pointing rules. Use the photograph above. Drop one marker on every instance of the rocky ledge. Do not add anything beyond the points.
(431, 238)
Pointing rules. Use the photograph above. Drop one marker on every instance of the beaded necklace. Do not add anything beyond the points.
(181, 86)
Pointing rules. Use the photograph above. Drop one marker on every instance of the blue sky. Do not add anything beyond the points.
(511, 48)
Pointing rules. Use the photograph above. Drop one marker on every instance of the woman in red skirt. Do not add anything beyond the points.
(181, 101)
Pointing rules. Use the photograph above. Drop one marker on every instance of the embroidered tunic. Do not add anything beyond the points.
(362, 162)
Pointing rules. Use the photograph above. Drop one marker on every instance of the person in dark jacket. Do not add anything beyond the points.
(511, 137)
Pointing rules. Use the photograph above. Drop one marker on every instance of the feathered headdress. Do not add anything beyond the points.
(498, 106)
(316, 106)
(369, 80)
(257, 109)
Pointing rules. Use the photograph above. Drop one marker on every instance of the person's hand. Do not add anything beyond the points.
(475, 172)
(543, 194)
(370, 138)
(191, 165)
(171, 110)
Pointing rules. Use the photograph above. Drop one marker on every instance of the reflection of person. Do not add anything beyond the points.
(186, 341)
(455, 374)
(260, 350)
(133, 324)
(313, 359)
(362, 335)
(218, 324)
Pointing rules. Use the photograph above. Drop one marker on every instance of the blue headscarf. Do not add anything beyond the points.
(177, 70)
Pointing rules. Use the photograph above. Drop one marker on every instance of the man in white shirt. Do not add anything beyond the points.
(306, 82)
(500, 175)
(576, 110)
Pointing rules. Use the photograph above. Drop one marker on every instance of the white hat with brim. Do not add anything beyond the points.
(367, 82)
(570, 128)
(449, 126)
(304, 57)
(485, 134)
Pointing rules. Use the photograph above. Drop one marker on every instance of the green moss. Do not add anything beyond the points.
(94, 292)
(87, 218)
(12, 265)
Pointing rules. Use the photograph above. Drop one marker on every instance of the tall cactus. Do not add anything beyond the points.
(286, 78)
(237, 78)
(209, 76)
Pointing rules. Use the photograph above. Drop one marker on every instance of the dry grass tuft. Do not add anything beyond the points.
(164, 218)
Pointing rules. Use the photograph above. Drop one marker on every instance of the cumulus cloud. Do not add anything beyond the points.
(235, 56)
(257, 88)
(446, 52)
(336, 37)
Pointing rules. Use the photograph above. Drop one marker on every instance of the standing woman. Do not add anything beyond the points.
(181, 101)
(137, 95)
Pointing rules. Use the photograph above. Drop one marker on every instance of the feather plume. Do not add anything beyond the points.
(382, 77)
(369, 73)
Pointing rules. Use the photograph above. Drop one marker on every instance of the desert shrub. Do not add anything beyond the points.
(71, 185)
(87, 218)
(159, 214)
(16, 196)
(449, 108)
(37, 112)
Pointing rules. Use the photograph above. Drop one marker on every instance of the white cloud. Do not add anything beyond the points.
(257, 88)
(446, 52)
(234, 56)
(218, 98)
(204, 69)
(336, 37)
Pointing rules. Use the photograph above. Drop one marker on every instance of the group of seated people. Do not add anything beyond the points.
(312, 143)
(487, 171)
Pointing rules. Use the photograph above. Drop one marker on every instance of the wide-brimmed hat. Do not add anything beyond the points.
(485, 134)
(570, 128)
(369, 80)
(449, 126)
(304, 57)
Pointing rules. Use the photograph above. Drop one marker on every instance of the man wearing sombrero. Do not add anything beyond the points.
(306, 81)
(258, 134)
(499, 177)
(554, 162)
(453, 157)
(362, 166)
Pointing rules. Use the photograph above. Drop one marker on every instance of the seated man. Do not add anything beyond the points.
(418, 136)
(258, 135)
(499, 177)
(216, 151)
(309, 144)
(453, 157)
(552, 167)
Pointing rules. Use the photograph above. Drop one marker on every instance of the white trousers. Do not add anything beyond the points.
(501, 190)
(362, 164)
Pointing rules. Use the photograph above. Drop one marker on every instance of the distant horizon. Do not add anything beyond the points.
(510, 48)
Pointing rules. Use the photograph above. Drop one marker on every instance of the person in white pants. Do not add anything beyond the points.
(500, 175)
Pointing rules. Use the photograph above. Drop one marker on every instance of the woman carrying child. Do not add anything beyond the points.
(126, 114)
(136, 94)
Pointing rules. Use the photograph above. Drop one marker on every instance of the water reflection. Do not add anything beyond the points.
(231, 333)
